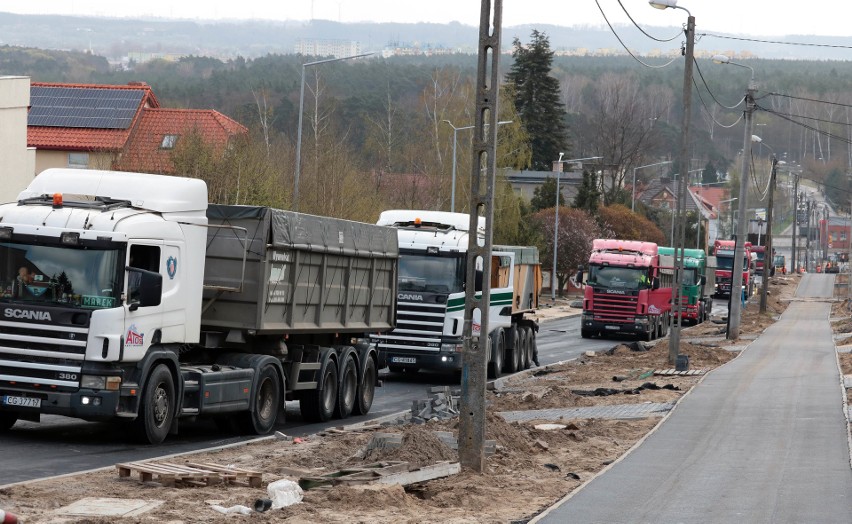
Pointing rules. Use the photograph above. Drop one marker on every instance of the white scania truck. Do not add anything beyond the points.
(431, 295)
(124, 296)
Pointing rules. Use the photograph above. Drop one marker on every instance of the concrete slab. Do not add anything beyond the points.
(108, 507)
(616, 411)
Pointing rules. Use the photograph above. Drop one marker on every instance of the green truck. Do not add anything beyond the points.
(698, 303)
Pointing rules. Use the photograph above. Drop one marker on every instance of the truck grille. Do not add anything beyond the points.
(41, 357)
(419, 327)
(615, 308)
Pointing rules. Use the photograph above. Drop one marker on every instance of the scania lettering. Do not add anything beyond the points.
(624, 292)
(134, 300)
(430, 313)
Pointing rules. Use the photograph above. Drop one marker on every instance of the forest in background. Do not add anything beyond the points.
(375, 135)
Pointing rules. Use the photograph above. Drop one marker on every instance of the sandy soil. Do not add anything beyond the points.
(530, 470)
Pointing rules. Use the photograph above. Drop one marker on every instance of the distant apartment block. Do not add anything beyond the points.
(327, 47)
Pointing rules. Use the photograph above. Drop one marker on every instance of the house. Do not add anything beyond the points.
(95, 126)
(17, 162)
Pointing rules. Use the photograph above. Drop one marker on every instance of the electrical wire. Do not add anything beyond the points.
(807, 99)
(697, 68)
(642, 30)
(620, 41)
(804, 44)
(698, 91)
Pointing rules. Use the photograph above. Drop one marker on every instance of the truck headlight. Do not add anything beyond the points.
(452, 348)
(100, 382)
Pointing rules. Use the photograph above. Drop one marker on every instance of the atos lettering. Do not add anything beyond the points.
(134, 337)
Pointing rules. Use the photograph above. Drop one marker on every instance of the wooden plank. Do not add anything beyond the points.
(443, 469)
(229, 473)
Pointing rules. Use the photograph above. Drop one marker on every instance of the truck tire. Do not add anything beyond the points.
(263, 412)
(347, 390)
(495, 363)
(524, 348)
(318, 405)
(157, 410)
(531, 340)
(7, 419)
(366, 388)
(514, 361)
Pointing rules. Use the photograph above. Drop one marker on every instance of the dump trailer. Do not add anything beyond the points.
(431, 296)
(694, 297)
(129, 298)
(626, 291)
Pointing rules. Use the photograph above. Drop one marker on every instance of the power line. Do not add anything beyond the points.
(808, 99)
(620, 41)
(697, 68)
(642, 30)
(720, 124)
(804, 44)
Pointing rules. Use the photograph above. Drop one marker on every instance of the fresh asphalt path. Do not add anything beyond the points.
(762, 439)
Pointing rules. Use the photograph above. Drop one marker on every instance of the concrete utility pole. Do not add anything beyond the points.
(768, 258)
(739, 251)
(808, 240)
(680, 243)
(795, 220)
(477, 346)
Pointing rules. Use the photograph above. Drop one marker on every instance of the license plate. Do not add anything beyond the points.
(24, 402)
(613, 328)
(404, 360)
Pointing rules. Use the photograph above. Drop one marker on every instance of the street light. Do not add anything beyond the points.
(556, 221)
(455, 132)
(301, 110)
(633, 198)
(736, 272)
(689, 53)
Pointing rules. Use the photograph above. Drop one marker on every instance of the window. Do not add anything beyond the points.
(168, 142)
(78, 160)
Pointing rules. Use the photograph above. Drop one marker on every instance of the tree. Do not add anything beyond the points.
(577, 229)
(537, 100)
(708, 176)
(589, 194)
(544, 196)
(627, 225)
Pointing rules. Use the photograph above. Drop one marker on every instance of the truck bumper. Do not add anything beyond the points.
(415, 360)
(85, 404)
(639, 326)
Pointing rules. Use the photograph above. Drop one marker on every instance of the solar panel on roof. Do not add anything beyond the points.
(91, 108)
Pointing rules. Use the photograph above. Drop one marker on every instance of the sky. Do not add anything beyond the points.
(751, 17)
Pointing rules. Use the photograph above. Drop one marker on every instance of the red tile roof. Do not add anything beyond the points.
(143, 151)
(87, 139)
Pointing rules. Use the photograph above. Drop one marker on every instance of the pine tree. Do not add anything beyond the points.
(537, 100)
(708, 176)
(544, 196)
(588, 195)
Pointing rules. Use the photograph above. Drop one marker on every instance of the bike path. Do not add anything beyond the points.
(764, 438)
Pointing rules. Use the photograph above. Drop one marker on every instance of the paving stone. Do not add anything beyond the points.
(617, 411)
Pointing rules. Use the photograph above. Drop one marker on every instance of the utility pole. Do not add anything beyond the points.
(737, 269)
(680, 243)
(476, 347)
(795, 221)
(767, 257)
(808, 239)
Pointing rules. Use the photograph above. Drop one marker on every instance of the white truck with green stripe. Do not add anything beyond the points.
(431, 295)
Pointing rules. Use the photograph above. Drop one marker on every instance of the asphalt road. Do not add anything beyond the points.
(762, 439)
(60, 445)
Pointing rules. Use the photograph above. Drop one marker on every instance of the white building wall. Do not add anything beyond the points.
(17, 162)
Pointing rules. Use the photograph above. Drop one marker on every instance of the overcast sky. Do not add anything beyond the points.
(754, 17)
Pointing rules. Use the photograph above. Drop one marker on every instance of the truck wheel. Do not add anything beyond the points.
(366, 388)
(515, 361)
(318, 405)
(524, 348)
(157, 409)
(348, 388)
(265, 404)
(531, 340)
(7, 419)
(495, 364)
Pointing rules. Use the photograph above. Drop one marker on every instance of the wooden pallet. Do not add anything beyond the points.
(170, 474)
(674, 372)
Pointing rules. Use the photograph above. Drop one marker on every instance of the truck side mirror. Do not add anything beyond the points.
(702, 280)
(145, 288)
(655, 284)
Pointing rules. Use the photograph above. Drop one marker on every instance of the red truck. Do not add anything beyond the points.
(723, 250)
(761, 260)
(624, 292)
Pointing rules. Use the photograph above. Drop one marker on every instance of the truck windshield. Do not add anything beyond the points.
(726, 263)
(82, 277)
(612, 277)
(690, 277)
(431, 273)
